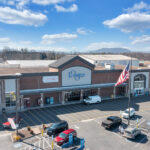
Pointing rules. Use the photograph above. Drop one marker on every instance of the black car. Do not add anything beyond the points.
(56, 128)
(111, 121)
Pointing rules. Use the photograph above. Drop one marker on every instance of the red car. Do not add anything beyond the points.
(63, 137)
(7, 124)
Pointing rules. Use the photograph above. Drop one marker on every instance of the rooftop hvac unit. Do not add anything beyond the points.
(109, 66)
(96, 63)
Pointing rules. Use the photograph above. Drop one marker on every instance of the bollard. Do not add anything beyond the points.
(52, 145)
(42, 132)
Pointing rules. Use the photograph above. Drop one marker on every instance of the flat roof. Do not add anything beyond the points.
(30, 63)
(107, 57)
(13, 71)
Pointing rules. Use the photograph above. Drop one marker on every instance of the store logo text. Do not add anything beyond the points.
(75, 75)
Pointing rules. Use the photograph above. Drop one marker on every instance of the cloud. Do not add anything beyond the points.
(72, 8)
(4, 40)
(130, 22)
(144, 39)
(22, 3)
(49, 2)
(24, 17)
(83, 31)
(25, 42)
(53, 38)
(99, 45)
(138, 7)
(137, 19)
(11, 2)
(19, 4)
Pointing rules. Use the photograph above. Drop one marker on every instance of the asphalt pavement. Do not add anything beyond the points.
(86, 119)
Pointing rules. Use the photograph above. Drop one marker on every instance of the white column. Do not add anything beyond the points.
(63, 97)
(99, 91)
(42, 99)
(81, 95)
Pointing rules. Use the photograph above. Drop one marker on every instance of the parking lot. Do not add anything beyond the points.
(86, 119)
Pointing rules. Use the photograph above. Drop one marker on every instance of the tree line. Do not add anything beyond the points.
(25, 54)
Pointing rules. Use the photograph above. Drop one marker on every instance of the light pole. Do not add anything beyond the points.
(129, 101)
(18, 75)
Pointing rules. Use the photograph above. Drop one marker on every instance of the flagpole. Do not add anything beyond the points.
(129, 96)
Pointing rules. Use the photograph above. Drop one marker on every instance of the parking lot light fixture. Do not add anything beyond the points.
(18, 75)
(129, 101)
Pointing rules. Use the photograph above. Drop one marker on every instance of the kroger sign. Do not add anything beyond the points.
(76, 76)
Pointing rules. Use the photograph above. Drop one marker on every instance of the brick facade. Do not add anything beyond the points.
(97, 77)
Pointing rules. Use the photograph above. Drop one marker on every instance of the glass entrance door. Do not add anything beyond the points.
(72, 96)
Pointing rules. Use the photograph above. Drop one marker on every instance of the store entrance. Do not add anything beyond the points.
(90, 92)
(72, 96)
(75, 95)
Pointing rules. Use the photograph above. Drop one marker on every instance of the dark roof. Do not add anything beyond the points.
(68, 59)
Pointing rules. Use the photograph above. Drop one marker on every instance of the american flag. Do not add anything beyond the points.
(124, 76)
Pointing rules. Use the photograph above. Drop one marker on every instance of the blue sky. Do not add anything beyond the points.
(75, 25)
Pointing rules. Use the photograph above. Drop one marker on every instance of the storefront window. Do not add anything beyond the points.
(10, 101)
(139, 81)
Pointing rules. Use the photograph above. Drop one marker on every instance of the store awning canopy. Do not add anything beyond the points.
(68, 88)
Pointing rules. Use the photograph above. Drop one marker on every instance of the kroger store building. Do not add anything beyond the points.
(69, 80)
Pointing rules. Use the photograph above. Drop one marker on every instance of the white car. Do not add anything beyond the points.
(131, 132)
(92, 99)
(125, 114)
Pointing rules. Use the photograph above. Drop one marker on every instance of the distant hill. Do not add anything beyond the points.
(111, 50)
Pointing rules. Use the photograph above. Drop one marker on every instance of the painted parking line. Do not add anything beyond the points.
(28, 119)
(78, 114)
(86, 111)
(40, 116)
(77, 127)
(82, 114)
(95, 110)
(50, 115)
(45, 115)
(34, 116)
(55, 113)
(61, 114)
(87, 108)
(71, 114)
(67, 115)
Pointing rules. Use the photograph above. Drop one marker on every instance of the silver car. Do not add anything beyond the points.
(131, 132)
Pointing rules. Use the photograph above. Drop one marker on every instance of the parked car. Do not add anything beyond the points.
(111, 121)
(131, 132)
(125, 114)
(7, 124)
(56, 128)
(92, 99)
(63, 137)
